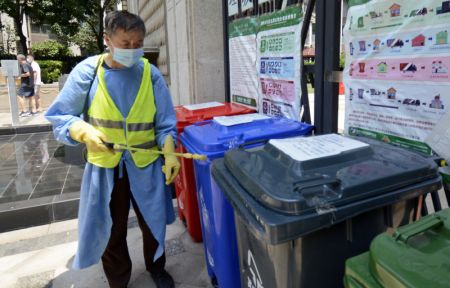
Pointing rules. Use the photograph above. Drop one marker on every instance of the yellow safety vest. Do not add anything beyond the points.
(137, 130)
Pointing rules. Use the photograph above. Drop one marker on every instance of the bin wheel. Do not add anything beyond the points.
(214, 283)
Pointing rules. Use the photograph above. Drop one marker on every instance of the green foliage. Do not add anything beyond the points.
(342, 61)
(356, 2)
(50, 49)
(50, 70)
(85, 39)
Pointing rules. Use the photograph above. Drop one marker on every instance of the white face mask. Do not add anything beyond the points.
(127, 57)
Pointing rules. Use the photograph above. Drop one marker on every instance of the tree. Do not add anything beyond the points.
(8, 45)
(63, 12)
(67, 15)
(86, 40)
(90, 14)
(16, 9)
(95, 12)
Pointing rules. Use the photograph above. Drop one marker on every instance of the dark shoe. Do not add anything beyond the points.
(163, 280)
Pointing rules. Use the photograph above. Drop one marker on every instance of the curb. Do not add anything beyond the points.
(26, 129)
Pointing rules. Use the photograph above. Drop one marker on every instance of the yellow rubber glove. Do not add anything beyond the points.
(86, 133)
(171, 166)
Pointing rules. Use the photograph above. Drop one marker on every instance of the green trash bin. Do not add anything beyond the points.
(416, 255)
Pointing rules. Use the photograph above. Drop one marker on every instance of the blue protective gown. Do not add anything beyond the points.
(147, 184)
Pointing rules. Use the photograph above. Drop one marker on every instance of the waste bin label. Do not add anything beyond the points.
(254, 279)
(203, 105)
(239, 119)
(308, 148)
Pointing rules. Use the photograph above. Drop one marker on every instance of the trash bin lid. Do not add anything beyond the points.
(416, 255)
(283, 195)
(190, 114)
(214, 137)
(298, 175)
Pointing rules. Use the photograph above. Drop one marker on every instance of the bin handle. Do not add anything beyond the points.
(403, 234)
(202, 123)
(314, 182)
(254, 142)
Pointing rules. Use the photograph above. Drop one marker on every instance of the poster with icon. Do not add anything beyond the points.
(265, 58)
(397, 70)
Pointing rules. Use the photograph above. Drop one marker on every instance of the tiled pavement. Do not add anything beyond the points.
(39, 184)
(39, 180)
(41, 257)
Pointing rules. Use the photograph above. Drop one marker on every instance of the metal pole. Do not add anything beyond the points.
(306, 117)
(13, 100)
(226, 54)
(328, 13)
(331, 64)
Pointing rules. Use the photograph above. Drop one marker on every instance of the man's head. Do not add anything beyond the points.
(30, 58)
(21, 58)
(124, 30)
(124, 35)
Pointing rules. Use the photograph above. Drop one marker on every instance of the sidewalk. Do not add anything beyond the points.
(41, 257)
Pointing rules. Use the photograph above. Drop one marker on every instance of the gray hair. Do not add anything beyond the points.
(21, 57)
(123, 20)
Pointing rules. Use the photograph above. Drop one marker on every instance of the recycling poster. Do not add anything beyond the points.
(396, 74)
(265, 58)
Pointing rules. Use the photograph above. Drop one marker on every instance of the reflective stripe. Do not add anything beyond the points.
(146, 145)
(105, 123)
(140, 126)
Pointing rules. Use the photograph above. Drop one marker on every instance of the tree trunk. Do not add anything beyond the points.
(23, 39)
(100, 45)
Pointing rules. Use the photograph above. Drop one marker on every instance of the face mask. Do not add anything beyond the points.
(127, 57)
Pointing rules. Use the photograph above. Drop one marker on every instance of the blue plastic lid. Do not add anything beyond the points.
(213, 139)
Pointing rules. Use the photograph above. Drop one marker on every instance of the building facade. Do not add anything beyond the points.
(187, 39)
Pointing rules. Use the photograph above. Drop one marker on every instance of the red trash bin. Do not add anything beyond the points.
(185, 182)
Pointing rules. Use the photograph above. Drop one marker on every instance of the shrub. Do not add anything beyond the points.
(50, 70)
(50, 49)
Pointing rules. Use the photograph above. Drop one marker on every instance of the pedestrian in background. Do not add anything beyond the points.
(124, 100)
(26, 89)
(37, 81)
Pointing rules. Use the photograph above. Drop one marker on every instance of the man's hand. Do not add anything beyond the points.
(171, 166)
(86, 133)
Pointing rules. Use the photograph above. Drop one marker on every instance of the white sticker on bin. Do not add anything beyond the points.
(308, 148)
(203, 105)
(239, 119)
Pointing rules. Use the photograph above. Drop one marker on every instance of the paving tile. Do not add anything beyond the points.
(39, 280)
(65, 210)
(48, 192)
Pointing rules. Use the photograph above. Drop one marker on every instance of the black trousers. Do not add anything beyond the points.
(116, 259)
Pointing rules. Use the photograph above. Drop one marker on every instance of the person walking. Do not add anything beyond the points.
(37, 81)
(26, 89)
(124, 100)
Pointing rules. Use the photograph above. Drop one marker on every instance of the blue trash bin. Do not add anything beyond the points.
(213, 138)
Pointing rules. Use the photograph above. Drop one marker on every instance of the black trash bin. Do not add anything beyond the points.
(303, 206)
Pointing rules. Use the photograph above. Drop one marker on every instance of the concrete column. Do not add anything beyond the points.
(195, 41)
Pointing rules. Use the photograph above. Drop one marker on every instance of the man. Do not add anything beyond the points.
(37, 81)
(126, 102)
(26, 89)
